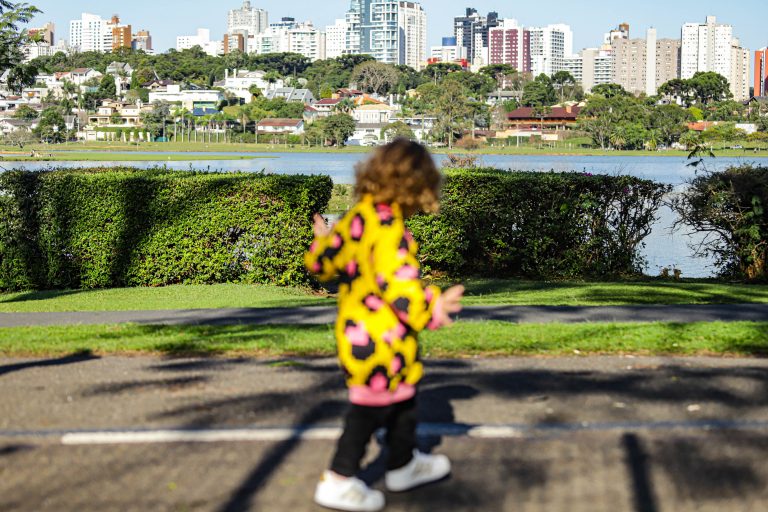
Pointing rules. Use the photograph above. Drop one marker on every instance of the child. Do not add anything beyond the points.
(382, 307)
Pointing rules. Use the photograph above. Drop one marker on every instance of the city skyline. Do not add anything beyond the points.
(173, 18)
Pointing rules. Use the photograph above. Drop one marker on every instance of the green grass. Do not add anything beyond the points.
(560, 148)
(645, 291)
(486, 292)
(66, 156)
(169, 297)
(460, 340)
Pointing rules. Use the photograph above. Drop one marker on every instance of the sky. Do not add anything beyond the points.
(589, 19)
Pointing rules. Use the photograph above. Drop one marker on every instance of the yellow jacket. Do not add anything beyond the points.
(383, 304)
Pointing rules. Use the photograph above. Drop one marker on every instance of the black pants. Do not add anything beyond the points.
(361, 422)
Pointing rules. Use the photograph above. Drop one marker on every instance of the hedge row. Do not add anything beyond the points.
(543, 225)
(97, 228)
(731, 209)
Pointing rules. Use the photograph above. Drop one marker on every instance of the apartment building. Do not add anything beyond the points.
(641, 66)
(509, 43)
(550, 46)
(472, 32)
(761, 72)
(412, 26)
(201, 39)
(336, 39)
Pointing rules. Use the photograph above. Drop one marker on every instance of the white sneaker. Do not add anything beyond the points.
(422, 469)
(347, 494)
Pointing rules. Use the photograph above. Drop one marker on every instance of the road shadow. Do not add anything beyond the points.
(30, 296)
(78, 357)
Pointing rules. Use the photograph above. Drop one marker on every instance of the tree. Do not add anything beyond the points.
(669, 122)
(609, 90)
(51, 127)
(561, 80)
(26, 113)
(498, 72)
(708, 87)
(12, 39)
(271, 77)
(344, 106)
(478, 86)
(255, 91)
(540, 92)
(326, 92)
(107, 87)
(451, 109)
(434, 72)
(155, 120)
(376, 77)
(395, 130)
(338, 128)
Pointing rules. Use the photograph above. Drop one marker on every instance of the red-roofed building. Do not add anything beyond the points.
(552, 118)
(281, 126)
(325, 107)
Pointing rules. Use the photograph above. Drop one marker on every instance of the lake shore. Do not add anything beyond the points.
(150, 151)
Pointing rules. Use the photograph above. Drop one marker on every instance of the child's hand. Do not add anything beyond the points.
(451, 299)
(320, 227)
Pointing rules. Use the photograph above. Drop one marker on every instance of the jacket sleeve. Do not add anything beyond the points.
(323, 256)
(398, 276)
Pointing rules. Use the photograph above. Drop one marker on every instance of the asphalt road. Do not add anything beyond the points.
(592, 434)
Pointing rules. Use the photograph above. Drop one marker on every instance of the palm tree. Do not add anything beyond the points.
(345, 106)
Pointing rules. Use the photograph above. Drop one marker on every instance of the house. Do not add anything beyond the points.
(158, 85)
(291, 94)
(347, 93)
(79, 76)
(207, 100)
(326, 107)
(107, 115)
(8, 126)
(367, 134)
(553, 118)
(700, 126)
(280, 126)
(120, 69)
(373, 113)
(239, 83)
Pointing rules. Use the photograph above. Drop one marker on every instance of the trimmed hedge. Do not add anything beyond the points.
(542, 225)
(98, 228)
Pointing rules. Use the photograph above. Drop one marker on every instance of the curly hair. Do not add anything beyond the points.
(401, 172)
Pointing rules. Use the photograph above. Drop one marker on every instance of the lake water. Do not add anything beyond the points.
(663, 247)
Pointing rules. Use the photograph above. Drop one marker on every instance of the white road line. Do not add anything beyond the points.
(280, 434)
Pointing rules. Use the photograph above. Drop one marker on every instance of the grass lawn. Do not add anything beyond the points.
(67, 156)
(560, 148)
(479, 292)
(463, 339)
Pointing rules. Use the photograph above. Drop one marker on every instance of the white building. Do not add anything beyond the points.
(239, 83)
(450, 51)
(739, 78)
(247, 20)
(91, 33)
(289, 36)
(550, 46)
(711, 47)
(412, 22)
(193, 100)
(201, 39)
(35, 50)
(594, 65)
(336, 39)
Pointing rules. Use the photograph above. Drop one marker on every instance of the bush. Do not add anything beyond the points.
(96, 228)
(543, 225)
(729, 207)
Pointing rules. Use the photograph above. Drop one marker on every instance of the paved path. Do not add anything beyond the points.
(597, 434)
(326, 315)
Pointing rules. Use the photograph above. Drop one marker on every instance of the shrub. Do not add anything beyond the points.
(729, 208)
(96, 228)
(544, 225)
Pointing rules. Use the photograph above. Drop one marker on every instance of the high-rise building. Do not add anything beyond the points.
(711, 47)
(550, 46)
(233, 43)
(45, 34)
(201, 39)
(122, 35)
(412, 24)
(509, 43)
(391, 31)
(472, 32)
(761, 72)
(336, 39)
(643, 65)
(289, 36)
(621, 32)
(247, 20)
(706, 47)
(90, 33)
(142, 40)
(739, 78)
